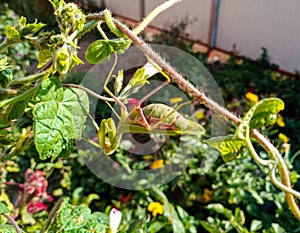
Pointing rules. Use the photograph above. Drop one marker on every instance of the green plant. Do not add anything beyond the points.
(59, 112)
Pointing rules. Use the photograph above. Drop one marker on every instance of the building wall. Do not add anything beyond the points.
(250, 24)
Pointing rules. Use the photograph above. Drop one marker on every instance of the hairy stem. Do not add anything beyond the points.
(13, 222)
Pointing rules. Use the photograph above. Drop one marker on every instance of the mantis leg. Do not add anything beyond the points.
(120, 103)
(152, 92)
(159, 87)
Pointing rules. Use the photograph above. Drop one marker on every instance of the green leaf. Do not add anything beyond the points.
(44, 56)
(120, 44)
(155, 227)
(265, 112)
(261, 114)
(256, 225)
(31, 28)
(50, 89)
(5, 77)
(59, 118)
(23, 21)
(3, 63)
(229, 146)
(219, 208)
(15, 110)
(177, 224)
(3, 208)
(4, 125)
(99, 51)
(7, 229)
(72, 218)
(77, 102)
(62, 60)
(136, 225)
(12, 33)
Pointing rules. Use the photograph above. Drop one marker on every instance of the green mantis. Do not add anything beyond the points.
(151, 119)
(154, 118)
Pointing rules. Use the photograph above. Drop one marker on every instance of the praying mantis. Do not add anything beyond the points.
(156, 118)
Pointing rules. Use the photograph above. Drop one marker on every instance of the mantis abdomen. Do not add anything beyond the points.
(163, 117)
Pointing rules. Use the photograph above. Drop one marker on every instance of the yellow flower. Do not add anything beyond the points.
(206, 196)
(175, 100)
(200, 115)
(283, 138)
(155, 208)
(157, 164)
(280, 121)
(252, 97)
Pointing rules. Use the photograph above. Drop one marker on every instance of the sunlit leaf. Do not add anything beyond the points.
(58, 118)
(71, 218)
(77, 102)
(12, 33)
(229, 146)
(261, 114)
(44, 56)
(256, 225)
(99, 51)
(15, 110)
(120, 44)
(3, 208)
(5, 77)
(31, 28)
(62, 60)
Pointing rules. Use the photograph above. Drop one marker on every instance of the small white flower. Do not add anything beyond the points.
(115, 217)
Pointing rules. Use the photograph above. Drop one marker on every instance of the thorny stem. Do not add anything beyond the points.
(13, 222)
(200, 96)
